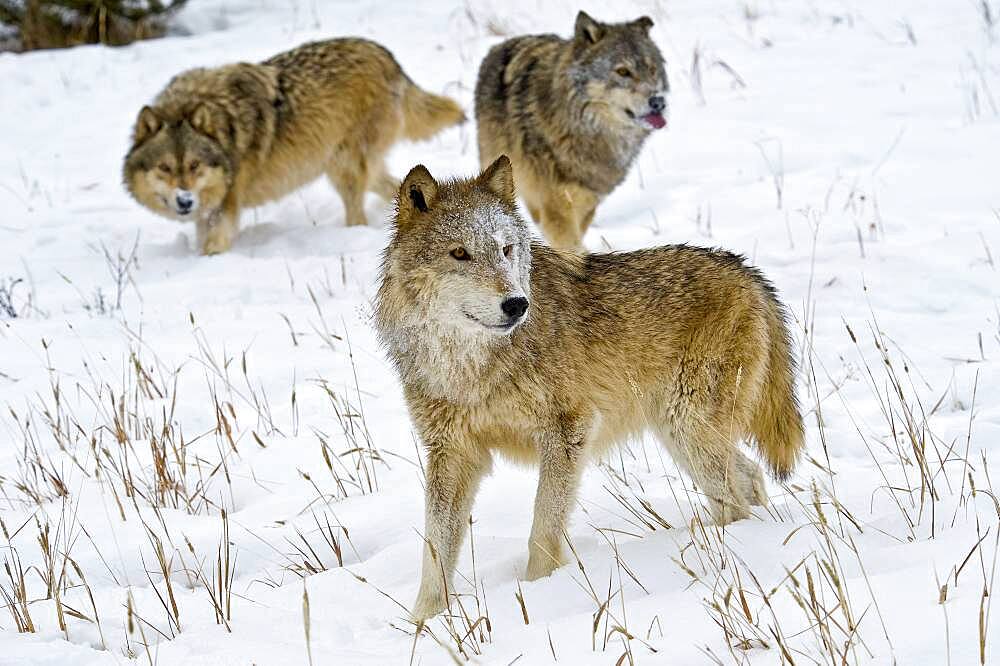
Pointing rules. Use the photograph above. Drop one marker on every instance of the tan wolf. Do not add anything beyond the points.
(507, 345)
(218, 140)
(572, 115)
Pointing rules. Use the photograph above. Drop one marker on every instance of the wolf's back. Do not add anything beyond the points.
(508, 86)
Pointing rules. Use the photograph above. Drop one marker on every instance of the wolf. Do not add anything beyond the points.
(572, 115)
(506, 345)
(221, 139)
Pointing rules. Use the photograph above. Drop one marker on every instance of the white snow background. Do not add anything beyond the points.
(850, 149)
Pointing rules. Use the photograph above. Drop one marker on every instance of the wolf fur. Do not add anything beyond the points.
(688, 343)
(572, 115)
(218, 140)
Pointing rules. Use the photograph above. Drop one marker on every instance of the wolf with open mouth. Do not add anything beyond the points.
(572, 115)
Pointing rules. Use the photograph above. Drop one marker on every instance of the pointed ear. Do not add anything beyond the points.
(202, 120)
(643, 23)
(587, 30)
(146, 125)
(205, 120)
(498, 178)
(417, 194)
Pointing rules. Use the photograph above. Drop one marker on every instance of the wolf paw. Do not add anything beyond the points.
(216, 242)
(748, 481)
(540, 565)
(724, 513)
(427, 606)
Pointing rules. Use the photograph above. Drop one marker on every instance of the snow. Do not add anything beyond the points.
(886, 150)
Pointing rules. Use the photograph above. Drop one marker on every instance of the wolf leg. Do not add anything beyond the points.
(453, 476)
(731, 481)
(383, 184)
(559, 226)
(565, 216)
(535, 213)
(588, 217)
(349, 175)
(215, 233)
(749, 479)
(562, 459)
(584, 205)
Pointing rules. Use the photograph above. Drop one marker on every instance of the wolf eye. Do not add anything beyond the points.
(624, 72)
(164, 167)
(508, 250)
(194, 165)
(460, 254)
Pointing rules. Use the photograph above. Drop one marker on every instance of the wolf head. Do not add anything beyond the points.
(460, 258)
(620, 72)
(178, 167)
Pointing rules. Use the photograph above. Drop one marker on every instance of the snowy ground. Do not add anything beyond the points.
(851, 150)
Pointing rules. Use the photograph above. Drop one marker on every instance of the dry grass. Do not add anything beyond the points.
(124, 438)
(127, 439)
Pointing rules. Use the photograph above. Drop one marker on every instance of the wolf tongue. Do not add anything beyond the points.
(656, 120)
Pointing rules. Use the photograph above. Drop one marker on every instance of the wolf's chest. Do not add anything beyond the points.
(599, 162)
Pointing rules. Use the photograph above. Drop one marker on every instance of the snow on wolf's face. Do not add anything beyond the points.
(484, 266)
(463, 252)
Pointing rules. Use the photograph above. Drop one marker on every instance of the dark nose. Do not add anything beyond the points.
(515, 307)
(184, 201)
(657, 103)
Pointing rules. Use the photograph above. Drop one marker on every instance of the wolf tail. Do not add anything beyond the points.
(776, 424)
(425, 114)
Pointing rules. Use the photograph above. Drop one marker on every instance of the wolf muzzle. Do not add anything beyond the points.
(185, 201)
(514, 307)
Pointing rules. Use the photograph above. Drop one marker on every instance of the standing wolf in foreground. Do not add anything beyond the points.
(548, 357)
(572, 115)
(222, 139)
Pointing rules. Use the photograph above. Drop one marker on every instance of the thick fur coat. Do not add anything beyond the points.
(572, 115)
(217, 140)
(504, 345)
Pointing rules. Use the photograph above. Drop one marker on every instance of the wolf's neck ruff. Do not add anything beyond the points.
(449, 363)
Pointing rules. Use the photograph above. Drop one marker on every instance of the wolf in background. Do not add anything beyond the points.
(548, 357)
(572, 116)
(218, 140)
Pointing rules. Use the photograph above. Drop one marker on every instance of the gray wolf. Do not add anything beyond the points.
(218, 140)
(572, 115)
(505, 345)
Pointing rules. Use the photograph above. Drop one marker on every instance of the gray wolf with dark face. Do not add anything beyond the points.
(218, 140)
(505, 345)
(572, 115)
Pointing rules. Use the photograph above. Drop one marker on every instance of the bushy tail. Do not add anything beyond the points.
(425, 114)
(777, 423)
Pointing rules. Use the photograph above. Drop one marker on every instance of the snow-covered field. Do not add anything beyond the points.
(208, 460)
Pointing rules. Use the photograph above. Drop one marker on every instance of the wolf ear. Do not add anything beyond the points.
(643, 23)
(417, 193)
(587, 30)
(499, 179)
(147, 124)
(205, 121)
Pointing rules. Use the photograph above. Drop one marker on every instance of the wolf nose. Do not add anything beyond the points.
(515, 307)
(657, 103)
(185, 200)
